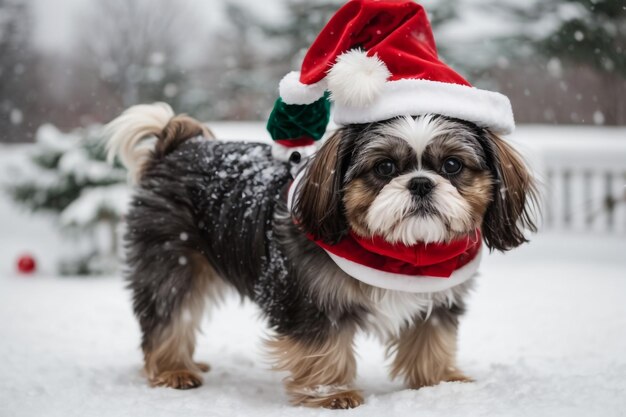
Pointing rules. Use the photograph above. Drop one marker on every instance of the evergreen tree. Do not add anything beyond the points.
(67, 175)
(594, 33)
(588, 32)
(583, 34)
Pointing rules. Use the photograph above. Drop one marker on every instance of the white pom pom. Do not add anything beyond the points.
(356, 79)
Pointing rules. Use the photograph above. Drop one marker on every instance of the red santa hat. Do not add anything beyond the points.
(378, 60)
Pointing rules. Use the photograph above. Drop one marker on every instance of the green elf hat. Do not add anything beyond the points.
(296, 125)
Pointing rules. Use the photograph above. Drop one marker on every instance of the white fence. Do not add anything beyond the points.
(583, 171)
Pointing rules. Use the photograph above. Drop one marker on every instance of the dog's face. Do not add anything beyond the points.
(416, 179)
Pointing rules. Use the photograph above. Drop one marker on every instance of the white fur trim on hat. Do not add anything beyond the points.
(415, 97)
(292, 91)
(357, 79)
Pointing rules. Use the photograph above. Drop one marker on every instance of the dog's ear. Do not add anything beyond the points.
(318, 206)
(515, 196)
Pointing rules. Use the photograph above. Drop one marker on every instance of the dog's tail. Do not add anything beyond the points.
(146, 132)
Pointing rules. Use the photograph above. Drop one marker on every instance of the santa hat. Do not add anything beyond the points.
(375, 60)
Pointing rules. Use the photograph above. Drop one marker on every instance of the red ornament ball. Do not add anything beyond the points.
(26, 264)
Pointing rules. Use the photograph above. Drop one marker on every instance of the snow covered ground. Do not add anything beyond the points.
(545, 335)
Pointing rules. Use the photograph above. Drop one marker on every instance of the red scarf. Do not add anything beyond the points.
(432, 260)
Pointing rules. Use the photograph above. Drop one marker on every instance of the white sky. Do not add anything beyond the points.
(53, 21)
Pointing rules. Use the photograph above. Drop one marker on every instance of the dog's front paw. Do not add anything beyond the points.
(344, 400)
(177, 380)
(337, 401)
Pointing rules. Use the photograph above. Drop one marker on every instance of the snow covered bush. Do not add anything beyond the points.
(67, 175)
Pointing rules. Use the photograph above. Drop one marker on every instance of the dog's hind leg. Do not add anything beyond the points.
(172, 281)
(170, 317)
(170, 308)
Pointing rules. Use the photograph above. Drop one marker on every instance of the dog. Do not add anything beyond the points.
(209, 215)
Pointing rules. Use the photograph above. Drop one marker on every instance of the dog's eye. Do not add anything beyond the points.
(385, 168)
(452, 166)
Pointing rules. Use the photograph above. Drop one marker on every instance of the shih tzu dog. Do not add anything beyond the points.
(380, 230)
(207, 215)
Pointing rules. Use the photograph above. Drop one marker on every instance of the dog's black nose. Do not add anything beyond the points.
(420, 186)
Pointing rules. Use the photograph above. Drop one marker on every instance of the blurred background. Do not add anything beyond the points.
(67, 66)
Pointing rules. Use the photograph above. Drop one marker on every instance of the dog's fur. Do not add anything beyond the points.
(207, 215)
